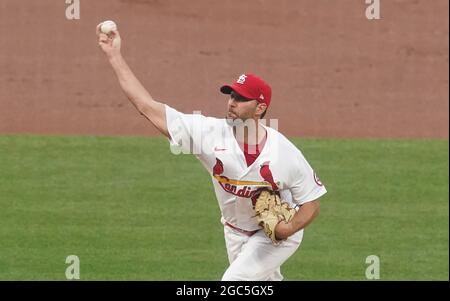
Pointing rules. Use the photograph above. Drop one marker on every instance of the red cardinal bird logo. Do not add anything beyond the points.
(218, 168)
(267, 175)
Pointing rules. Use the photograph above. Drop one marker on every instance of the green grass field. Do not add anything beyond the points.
(130, 210)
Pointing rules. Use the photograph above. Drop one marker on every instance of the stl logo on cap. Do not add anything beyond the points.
(241, 79)
(250, 86)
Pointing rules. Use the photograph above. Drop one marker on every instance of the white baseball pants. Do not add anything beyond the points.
(255, 258)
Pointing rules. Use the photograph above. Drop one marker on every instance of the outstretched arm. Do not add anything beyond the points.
(154, 111)
(304, 216)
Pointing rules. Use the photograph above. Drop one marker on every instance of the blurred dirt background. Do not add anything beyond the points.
(333, 72)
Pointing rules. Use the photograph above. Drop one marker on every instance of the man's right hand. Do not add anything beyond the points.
(110, 44)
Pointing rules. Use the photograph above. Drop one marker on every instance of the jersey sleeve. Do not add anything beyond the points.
(189, 133)
(305, 184)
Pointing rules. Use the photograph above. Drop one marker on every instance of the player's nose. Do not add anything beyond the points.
(231, 102)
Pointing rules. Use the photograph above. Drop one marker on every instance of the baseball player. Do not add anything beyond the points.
(243, 156)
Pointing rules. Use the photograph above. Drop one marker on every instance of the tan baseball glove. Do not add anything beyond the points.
(270, 211)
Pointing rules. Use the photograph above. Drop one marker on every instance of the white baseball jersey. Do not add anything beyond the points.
(280, 165)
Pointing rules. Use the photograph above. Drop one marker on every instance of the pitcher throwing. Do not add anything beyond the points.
(267, 191)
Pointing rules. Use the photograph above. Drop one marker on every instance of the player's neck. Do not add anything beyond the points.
(251, 134)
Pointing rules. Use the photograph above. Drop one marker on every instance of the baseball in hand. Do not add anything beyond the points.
(108, 26)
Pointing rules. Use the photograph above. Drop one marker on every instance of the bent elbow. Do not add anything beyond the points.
(143, 108)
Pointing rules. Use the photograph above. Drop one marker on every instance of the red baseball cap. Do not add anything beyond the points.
(250, 86)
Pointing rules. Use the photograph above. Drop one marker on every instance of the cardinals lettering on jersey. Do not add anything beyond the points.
(245, 189)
